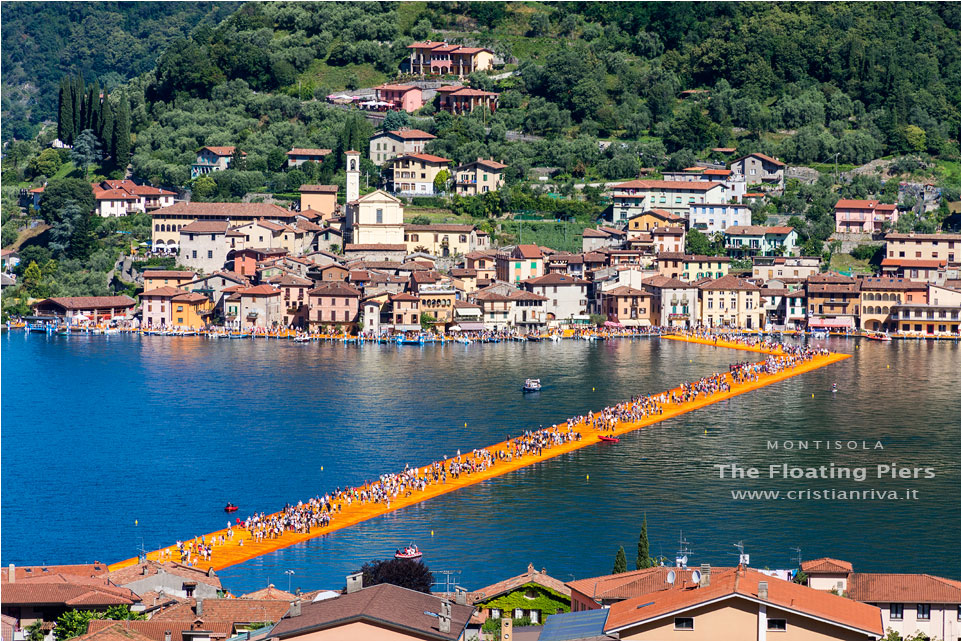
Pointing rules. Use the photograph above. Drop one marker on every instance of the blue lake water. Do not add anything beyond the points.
(113, 443)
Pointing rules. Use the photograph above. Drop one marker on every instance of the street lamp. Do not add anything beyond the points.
(288, 573)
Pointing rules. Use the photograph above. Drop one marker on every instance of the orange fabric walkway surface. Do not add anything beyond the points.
(719, 344)
(232, 553)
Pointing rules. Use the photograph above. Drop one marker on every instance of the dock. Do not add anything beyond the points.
(231, 553)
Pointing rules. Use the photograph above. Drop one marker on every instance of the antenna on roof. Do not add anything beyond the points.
(797, 558)
(742, 557)
(683, 551)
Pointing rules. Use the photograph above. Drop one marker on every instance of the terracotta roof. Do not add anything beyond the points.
(401, 88)
(91, 302)
(590, 232)
(70, 590)
(163, 291)
(506, 586)
(555, 278)
(757, 230)
(624, 290)
(222, 151)
(763, 157)
(439, 227)
(318, 189)
(427, 158)
(205, 227)
(528, 251)
(289, 280)
(884, 283)
(830, 277)
(334, 288)
(269, 593)
(114, 630)
(913, 263)
(717, 172)
(137, 572)
(922, 237)
(666, 282)
(622, 586)
(306, 151)
(465, 91)
(729, 282)
(226, 210)
(404, 296)
(425, 276)
(671, 230)
(851, 203)
(260, 290)
(691, 186)
(115, 195)
(373, 247)
(169, 274)
(831, 288)
(384, 605)
(744, 583)
(903, 587)
(826, 565)
(24, 572)
(222, 610)
(411, 134)
(663, 214)
(150, 630)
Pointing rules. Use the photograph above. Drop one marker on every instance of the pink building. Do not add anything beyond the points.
(863, 217)
(333, 304)
(406, 97)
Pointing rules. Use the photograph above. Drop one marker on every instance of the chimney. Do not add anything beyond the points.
(199, 608)
(210, 571)
(12, 574)
(143, 570)
(763, 590)
(295, 610)
(460, 595)
(705, 575)
(355, 582)
(507, 634)
(444, 618)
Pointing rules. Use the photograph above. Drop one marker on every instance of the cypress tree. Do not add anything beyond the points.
(621, 562)
(94, 123)
(78, 97)
(106, 134)
(121, 134)
(65, 113)
(644, 557)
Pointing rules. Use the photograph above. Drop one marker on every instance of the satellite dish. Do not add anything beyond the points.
(671, 577)
(684, 560)
(695, 577)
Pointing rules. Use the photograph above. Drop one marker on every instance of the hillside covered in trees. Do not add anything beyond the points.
(110, 42)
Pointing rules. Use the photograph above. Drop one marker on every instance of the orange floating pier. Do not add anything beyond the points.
(233, 552)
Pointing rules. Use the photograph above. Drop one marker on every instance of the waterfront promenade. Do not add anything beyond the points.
(231, 552)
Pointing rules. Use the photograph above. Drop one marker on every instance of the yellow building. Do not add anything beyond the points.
(320, 198)
(442, 239)
(649, 220)
(731, 302)
(159, 278)
(375, 219)
(170, 307)
(479, 177)
(414, 174)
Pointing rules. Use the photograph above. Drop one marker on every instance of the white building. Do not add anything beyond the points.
(567, 296)
(710, 218)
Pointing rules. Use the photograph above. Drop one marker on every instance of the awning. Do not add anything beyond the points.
(844, 322)
(470, 326)
(613, 324)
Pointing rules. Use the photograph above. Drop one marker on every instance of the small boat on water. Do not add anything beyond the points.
(877, 336)
(531, 385)
(608, 439)
(230, 508)
(301, 339)
(816, 334)
(408, 553)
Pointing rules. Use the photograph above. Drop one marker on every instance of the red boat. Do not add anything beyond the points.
(230, 508)
(611, 440)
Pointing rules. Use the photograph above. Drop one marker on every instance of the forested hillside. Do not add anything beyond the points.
(106, 41)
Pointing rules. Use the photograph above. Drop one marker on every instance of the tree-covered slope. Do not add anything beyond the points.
(107, 41)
